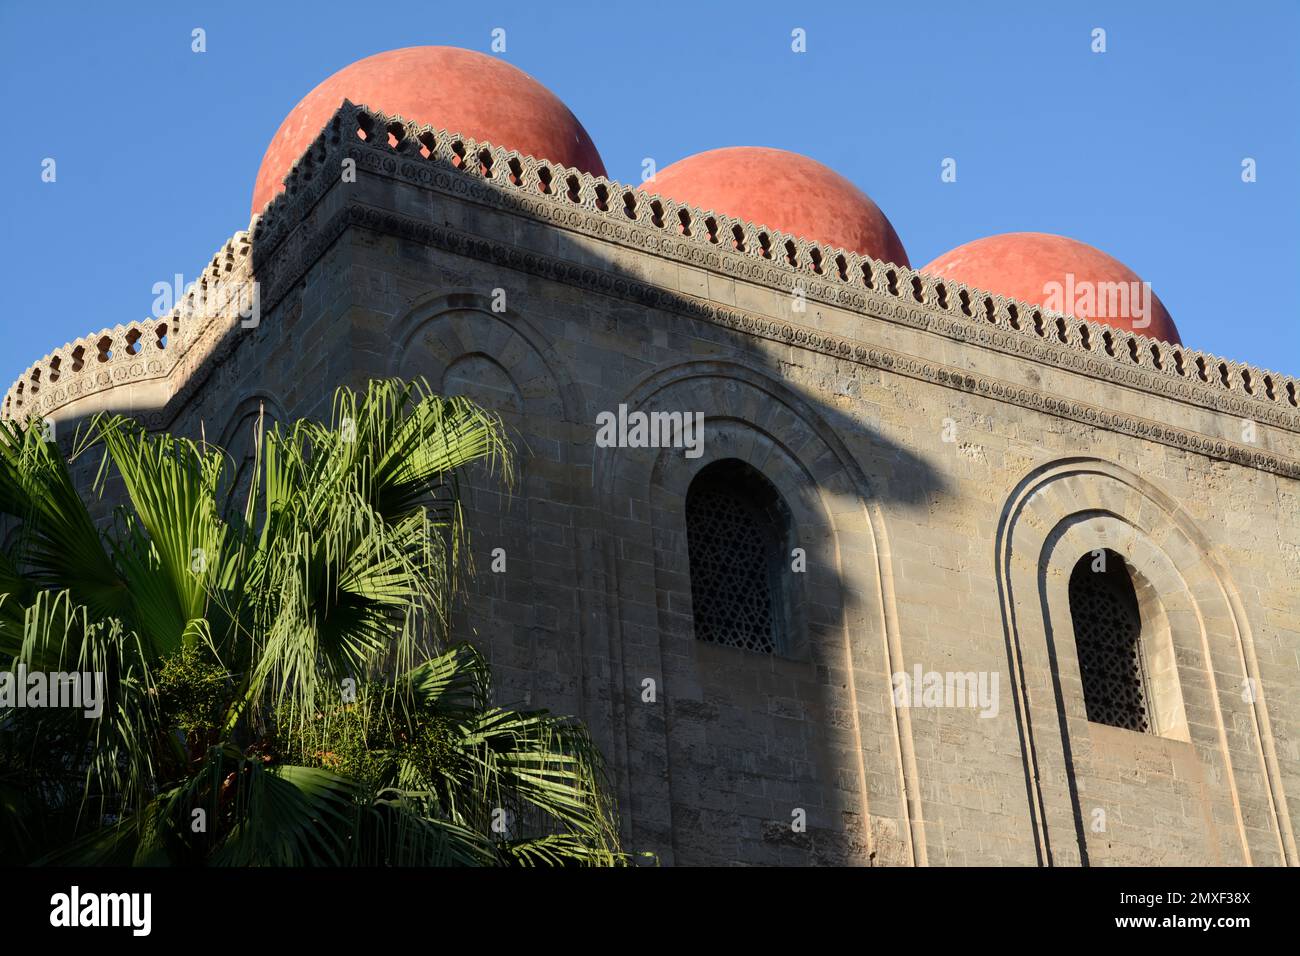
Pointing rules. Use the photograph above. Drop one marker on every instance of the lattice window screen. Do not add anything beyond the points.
(732, 544)
(1107, 628)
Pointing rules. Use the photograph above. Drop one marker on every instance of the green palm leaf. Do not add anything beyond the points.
(278, 685)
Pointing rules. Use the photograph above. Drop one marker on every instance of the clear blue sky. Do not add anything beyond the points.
(1137, 151)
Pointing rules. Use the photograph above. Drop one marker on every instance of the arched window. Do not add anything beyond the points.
(737, 529)
(1107, 633)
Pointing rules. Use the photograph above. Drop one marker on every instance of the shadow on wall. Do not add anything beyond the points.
(718, 751)
(721, 754)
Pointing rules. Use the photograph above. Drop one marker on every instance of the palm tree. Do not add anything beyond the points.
(280, 687)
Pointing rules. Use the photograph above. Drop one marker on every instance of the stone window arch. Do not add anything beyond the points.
(1107, 620)
(239, 443)
(737, 532)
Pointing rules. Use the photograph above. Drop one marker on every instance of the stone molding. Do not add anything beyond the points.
(509, 181)
(288, 238)
(936, 373)
(153, 349)
(1070, 497)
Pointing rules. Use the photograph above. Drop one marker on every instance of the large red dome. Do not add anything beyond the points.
(461, 91)
(1060, 274)
(785, 191)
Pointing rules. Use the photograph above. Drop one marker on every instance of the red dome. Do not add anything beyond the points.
(1059, 274)
(460, 91)
(785, 191)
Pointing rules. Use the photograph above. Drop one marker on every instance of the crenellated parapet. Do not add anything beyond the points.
(294, 229)
(97, 370)
(570, 199)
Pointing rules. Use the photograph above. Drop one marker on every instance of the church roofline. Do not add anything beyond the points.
(826, 273)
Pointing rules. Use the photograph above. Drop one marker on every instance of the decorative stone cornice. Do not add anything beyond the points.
(607, 283)
(457, 166)
(290, 235)
(153, 349)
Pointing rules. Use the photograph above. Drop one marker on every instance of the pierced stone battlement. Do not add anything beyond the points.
(772, 256)
(570, 199)
(150, 350)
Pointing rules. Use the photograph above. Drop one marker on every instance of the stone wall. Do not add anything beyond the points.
(946, 456)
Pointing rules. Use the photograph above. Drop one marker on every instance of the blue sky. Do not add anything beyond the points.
(1137, 151)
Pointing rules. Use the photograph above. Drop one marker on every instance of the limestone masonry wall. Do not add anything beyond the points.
(946, 457)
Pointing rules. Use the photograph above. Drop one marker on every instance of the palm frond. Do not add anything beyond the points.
(278, 686)
(59, 544)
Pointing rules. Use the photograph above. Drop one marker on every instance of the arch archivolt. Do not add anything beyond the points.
(238, 438)
(438, 331)
(257, 404)
(1171, 625)
(446, 332)
(845, 632)
(1196, 644)
(460, 344)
